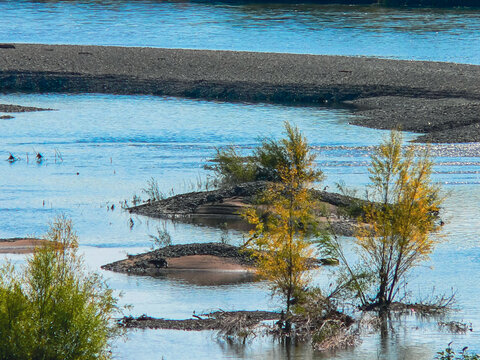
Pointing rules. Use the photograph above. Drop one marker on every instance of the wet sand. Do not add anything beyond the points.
(196, 263)
(19, 245)
(441, 100)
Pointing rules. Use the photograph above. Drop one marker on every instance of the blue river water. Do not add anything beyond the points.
(421, 34)
(114, 144)
(100, 150)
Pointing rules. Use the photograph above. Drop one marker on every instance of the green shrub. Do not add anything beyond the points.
(53, 309)
(231, 168)
(266, 160)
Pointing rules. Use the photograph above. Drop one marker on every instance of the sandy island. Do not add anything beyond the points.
(441, 100)
(19, 245)
(222, 207)
(197, 263)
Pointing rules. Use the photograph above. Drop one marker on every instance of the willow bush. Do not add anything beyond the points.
(400, 231)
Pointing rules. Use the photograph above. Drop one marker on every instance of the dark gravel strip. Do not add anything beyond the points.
(18, 239)
(213, 321)
(395, 91)
(214, 249)
(8, 108)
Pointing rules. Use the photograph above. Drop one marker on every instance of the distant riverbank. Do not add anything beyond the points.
(393, 3)
(441, 100)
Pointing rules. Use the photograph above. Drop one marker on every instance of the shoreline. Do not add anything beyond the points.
(185, 257)
(212, 263)
(441, 100)
(195, 263)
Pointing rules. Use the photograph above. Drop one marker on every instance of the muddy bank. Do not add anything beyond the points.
(19, 245)
(212, 321)
(325, 330)
(224, 205)
(438, 99)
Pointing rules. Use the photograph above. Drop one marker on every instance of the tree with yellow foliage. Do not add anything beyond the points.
(397, 231)
(280, 237)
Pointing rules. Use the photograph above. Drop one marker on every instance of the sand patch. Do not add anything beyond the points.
(19, 245)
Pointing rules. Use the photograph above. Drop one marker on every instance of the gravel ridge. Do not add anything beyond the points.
(384, 93)
(10, 108)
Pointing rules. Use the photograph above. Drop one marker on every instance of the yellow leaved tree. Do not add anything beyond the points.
(280, 237)
(397, 232)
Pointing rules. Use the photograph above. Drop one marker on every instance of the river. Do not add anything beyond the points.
(420, 34)
(110, 146)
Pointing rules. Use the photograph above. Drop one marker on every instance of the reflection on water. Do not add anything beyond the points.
(422, 34)
(207, 278)
(156, 342)
(116, 143)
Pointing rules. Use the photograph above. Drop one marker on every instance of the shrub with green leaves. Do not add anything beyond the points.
(53, 309)
(230, 167)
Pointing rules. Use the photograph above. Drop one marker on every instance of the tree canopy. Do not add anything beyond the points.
(396, 231)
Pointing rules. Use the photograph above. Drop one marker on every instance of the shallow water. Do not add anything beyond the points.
(116, 143)
(421, 34)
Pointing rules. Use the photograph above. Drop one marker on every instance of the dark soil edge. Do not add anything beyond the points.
(10, 108)
(184, 207)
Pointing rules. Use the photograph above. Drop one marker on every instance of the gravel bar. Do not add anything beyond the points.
(441, 100)
(9, 108)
